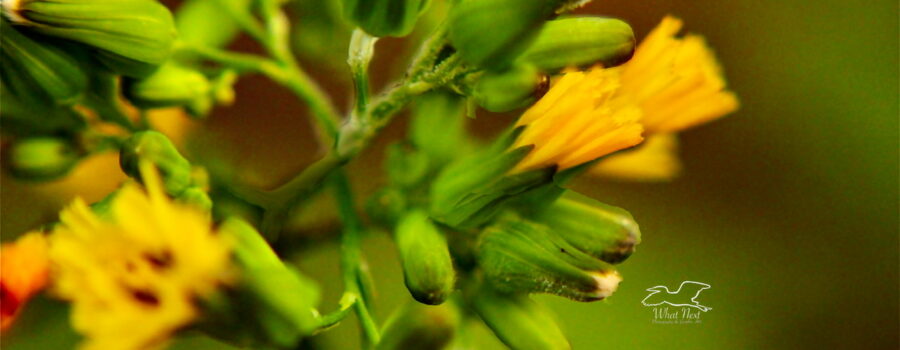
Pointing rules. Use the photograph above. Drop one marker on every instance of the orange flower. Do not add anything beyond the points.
(23, 272)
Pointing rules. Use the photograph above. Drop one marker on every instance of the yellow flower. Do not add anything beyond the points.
(23, 272)
(580, 119)
(133, 274)
(652, 160)
(678, 84)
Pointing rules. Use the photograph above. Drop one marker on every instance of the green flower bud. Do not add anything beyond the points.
(580, 41)
(196, 26)
(517, 321)
(518, 256)
(39, 72)
(472, 190)
(600, 230)
(272, 304)
(492, 33)
(509, 89)
(384, 17)
(437, 126)
(417, 326)
(427, 267)
(133, 37)
(170, 85)
(41, 158)
(156, 147)
(406, 167)
(386, 206)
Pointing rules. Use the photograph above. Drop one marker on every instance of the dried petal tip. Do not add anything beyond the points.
(607, 283)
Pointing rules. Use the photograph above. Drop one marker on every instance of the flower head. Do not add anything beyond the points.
(580, 119)
(677, 82)
(143, 263)
(23, 272)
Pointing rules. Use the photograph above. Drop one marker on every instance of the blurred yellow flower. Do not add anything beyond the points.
(580, 119)
(23, 272)
(678, 84)
(133, 274)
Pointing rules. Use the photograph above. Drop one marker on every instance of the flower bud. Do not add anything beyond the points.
(437, 125)
(580, 41)
(386, 206)
(170, 85)
(492, 33)
(39, 72)
(471, 191)
(406, 167)
(427, 267)
(417, 326)
(600, 230)
(133, 36)
(507, 90)
(518, 256)
(42, 158)
(272, 306)
(159, 150)
(384, 17)
(517, 321)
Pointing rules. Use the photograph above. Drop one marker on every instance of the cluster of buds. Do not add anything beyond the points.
(67, 62)
(478, 226)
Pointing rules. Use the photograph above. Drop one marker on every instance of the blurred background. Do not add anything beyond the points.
(788, 208)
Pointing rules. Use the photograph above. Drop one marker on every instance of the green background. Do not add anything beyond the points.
(788, 208)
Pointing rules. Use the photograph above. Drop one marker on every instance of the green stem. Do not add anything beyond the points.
(241, 62)
(352, 138)
(278, 44)
(351, 256)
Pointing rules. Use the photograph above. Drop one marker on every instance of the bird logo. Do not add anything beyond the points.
(686, 295)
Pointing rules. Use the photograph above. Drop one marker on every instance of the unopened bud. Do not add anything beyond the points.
(517, 321)
(133, 36)
(159, 150)
(473, 190)
(492, 33)
(507, 90)
(386, 206)
(417, 326)
(427, 266)
(273, 305)
(384, 17)
(580, 41)
(42, 158)
(600, 230)
(170, 85)
(39, 72)
(519, 256)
